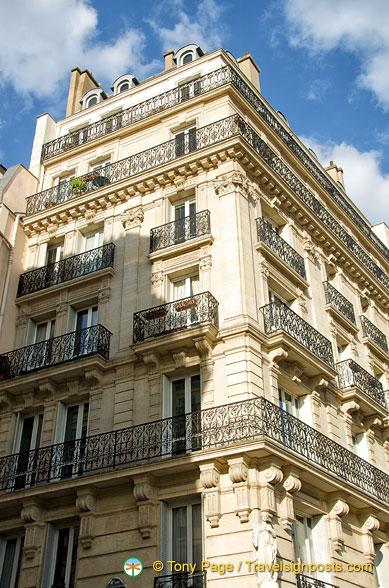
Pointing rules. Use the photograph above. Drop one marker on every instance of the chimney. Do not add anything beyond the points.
(336, 173)
(250, 69)
(80, 83)
(169, 59)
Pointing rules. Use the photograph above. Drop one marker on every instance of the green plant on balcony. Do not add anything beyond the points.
(77, 186)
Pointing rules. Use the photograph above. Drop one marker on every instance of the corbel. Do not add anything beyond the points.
(93, 378)
(338, 509)
(210, 481)
(144, 494)
(370, 523)
(179, 359)
(269, 476)
(32, 517)
(238, 472)
(291, 484)
(86, 506)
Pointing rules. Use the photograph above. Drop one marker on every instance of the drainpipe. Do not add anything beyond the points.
(11, 245)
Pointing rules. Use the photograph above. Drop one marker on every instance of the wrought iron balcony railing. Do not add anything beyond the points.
(279, 317)
(269, 236)
(373, 333)
(351, 374)
(175, 316)
(206, 136)
(308, 582)
(338, 301)
(66, 269)
(181, 580)
(219, 426)
(91, 341)
(138, 112)
(386, 395)
(199, 86)
(179, 231)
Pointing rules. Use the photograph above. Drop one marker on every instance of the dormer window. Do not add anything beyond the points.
(92, 97)
(187, 54)
(124, 83)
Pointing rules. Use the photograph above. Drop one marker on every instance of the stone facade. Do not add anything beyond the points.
(222, 367)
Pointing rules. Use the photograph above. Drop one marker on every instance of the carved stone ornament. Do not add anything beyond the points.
(86, 505)
(339, 509)
(265, 551)
(291, 484)
(144, 492)
(230, 182)
(157, 278)
(205, 263)
(238, 472)
(210, 478)
(6, 401)
(311, 250)
(132, 218)
(370, 525)
(179, 359)
(32, 516)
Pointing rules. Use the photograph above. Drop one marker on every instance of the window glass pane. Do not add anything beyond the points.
(194, 285)
(40, 334)
(73, 561)
(179, 211)
(187, 58)
(8, 564)
(179, 289)
(94, 316)
(71, 423)
(178, 397)
(123, 87)
(180, 548)
(82, 320)
(62, 555)
(84, 424)
(195, 393)
(196, 536)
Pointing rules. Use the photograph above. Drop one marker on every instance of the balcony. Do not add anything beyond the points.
(67, 269)
(182, 580)
(280, 247)
(373, 334)
(307, 582)
(338, 302)
(137, 112)
(351, 375)
(175, 316)
(56, 351)
(256, 419)
(279, 317)
(180, 231)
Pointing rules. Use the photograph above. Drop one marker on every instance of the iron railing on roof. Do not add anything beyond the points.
(308, 582)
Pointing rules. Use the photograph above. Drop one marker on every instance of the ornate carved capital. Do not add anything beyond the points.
(132, 218)
(179, 359)
(143, 488)
(86, 500)
(205, 263)
(6, 401)
(94, 377)
(210, 478)
(209, 475)
(31, 512)
(153, 360)
(238, 469)
(157, 278)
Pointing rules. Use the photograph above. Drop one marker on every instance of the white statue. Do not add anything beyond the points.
(265, 552)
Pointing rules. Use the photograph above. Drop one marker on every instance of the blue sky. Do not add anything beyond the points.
(324, 64)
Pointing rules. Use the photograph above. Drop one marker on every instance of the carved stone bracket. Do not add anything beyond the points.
(179, 359)
(205, 263)
(210, 480)
(94, 378)
(6, 401)
(338, 509)
(234, 181)
(32, 517)
(157, 278)
(86, 505)
(291, 484)
(144, 494)
(269, 476)
(277, 355)
(370, 524)
(132, 218)
(153, 361)
(238, 472)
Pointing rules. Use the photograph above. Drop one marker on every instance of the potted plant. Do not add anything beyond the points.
(91, 176)
(77, 186)
(185, 304)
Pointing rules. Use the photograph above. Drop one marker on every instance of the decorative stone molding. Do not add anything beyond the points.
(6, 401)
(86, 505)
(32, 517)
(62, 309)
(296, 371)
(157, 279)
(132, 218)
(269, 476)
(94, 377)
(22, 319)
(238, 472)
(46, 390)
(311, 250)
(210, 480)
(291, 485)
(370, 524)
(153, 360)
(205, 263)
(144, 494)
(179, 359)
(104, 294)
(277, 355)
(231, 182)
(204, 347)
(338, 509)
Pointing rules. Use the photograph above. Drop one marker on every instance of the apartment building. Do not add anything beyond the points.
(198, 364)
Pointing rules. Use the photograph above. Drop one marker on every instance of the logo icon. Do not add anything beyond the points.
(132, 566)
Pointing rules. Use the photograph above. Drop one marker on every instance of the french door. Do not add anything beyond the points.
(85, 339)
(74, 440)
(28, 438)
(186, 420)
(185, 221)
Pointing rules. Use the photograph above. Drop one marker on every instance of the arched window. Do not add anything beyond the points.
(92, 101)
(123, 87)
(187, 58)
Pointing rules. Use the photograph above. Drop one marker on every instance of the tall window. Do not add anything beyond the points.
(93, 240)
(182, 531)
(185, 402)
(185, 220)
(310, 542)
(186, 141)
(85, 337)
(28, 438)
(72, 430)
(54, 253)
(10, 559)
(381, 566)
(61, 556)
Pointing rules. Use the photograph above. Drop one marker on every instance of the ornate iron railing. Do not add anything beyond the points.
(204, 137)
(386, 394)
(372, 332)
(351, 374)
(255, 419)
(175, 316)
(91, 341)
(308, 582)
(181, 580)
(268, 235)
(279, 317)
(135, 164)
(137, 112)
(338, 301)
(66, 269)
(178, 231)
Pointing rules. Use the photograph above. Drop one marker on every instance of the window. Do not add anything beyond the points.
(99, 174)
(302, 540)
(182, 525)
(72, 430)
(61, 556)
(186, 141)
(54, 253)
(27, 440)
(93, 240)
(64, 191)
(92, 101)
(185, 220)
(184, 402)
(187, 58)
(189, 90)
(343, 351)
(381, 567)
(123, 87)
(85, 336)
(41, 336)
(10, 559)
(185, 287)
(309, 535)
(360, 446)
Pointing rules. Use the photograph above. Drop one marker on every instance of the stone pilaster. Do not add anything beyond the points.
(144, 494)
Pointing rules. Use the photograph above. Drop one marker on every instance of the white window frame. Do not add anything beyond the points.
(51, 554)
(196, 501)
(186, 141)
(16, 560)
(98, 237)
(60, 430)
(188, 285)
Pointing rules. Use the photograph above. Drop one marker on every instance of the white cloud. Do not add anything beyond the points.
(365, 184)
(204, 29)
(356, 26)
(41, 40)
(317, 89)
